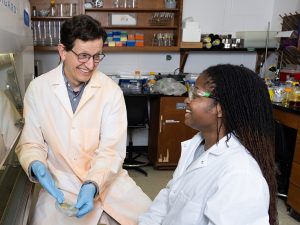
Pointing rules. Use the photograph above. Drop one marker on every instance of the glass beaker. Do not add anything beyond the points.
(64, 9)
(72, 9)
(60, 10)
(123, 3)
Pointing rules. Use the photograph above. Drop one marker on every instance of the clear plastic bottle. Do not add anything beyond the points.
(288, 94)
(294, 100)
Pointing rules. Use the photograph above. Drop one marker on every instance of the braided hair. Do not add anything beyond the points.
(247, 114)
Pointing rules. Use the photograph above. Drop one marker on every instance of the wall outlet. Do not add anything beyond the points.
(168, 57)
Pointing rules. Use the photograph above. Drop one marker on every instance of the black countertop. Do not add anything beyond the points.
(286, 108)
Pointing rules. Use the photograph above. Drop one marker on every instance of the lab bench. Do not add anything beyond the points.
(291, 118)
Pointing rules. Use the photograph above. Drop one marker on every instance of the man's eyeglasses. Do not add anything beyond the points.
(194, 93)
(84, 57)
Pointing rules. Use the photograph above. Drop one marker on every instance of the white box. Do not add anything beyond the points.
(191, 25)
(123, 19)
(257, 39)
(191, 35)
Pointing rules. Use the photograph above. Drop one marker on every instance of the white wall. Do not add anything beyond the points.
(229, 16)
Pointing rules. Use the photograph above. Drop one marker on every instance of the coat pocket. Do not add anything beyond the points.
(184, 211)
(90, 140)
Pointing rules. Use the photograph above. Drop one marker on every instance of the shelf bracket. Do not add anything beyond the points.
(184, 53)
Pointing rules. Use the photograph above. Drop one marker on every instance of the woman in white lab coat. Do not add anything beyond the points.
(226, 173)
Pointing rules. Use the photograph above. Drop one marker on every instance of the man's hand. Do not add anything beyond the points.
(44, 177)
(85, 200)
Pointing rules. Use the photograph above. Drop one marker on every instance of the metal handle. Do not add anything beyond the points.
(160, 123)
(172, 121)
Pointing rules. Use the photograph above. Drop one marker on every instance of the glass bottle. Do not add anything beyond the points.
(116, 3)
(33, 13)
(52, 9)
(99, 3)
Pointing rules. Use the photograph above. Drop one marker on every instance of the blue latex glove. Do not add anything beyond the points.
(85, 200)
(43, 176)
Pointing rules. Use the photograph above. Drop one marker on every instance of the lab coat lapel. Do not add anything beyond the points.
(216, 150)
(91, 88)
(199, 163)
(60, 90)
(188, 149)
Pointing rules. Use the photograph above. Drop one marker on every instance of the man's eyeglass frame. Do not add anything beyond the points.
(84, 57)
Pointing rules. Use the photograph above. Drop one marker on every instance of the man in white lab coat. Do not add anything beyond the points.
(226, 173)
(74, 139)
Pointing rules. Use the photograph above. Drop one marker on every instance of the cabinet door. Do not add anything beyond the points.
(172, 131)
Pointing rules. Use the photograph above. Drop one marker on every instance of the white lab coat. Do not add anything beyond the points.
(224, 186)
(89, 144)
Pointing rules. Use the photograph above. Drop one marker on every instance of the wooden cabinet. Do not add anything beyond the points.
(160, 26)
(45, 4)
(46, 28)
(292, 120)
(167, 130)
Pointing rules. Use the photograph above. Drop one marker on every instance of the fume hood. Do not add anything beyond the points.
(16, 71)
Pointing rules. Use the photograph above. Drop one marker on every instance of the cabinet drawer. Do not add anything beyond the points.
(294, 197)
(295, 175)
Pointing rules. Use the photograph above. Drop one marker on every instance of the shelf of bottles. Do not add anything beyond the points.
(46, 22)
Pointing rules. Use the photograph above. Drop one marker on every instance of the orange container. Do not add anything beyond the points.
(131, 37)
(139, 36)
(139, 43)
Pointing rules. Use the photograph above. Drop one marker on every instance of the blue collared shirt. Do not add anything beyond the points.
(74, 96)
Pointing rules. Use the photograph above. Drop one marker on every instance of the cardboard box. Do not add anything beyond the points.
(123, 19)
